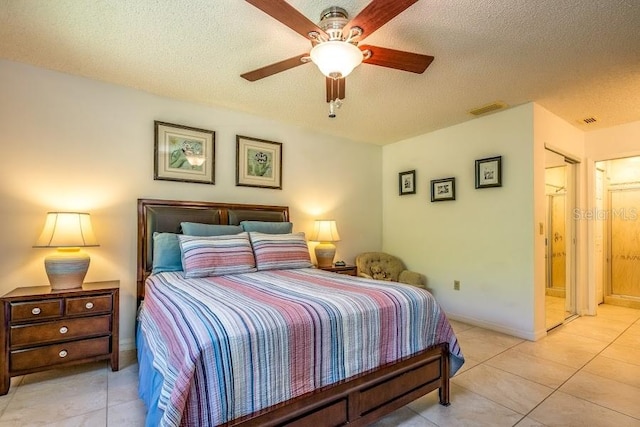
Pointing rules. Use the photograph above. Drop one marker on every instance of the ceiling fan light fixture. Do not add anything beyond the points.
(336, 59)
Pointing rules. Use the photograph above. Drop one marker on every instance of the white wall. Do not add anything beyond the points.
(485, 238)
(556, 134)
(77, 144)
(613, 143)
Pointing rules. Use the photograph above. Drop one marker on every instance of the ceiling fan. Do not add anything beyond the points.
(334, 41)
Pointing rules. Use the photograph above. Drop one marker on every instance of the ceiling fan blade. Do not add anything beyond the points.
(272, 69)
(400, 60)
(376, 14)
(288, 15)
(335, 89)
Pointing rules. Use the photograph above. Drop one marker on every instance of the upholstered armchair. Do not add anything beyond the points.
(382, 266)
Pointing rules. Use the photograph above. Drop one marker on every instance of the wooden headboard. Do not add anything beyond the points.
(166, 215)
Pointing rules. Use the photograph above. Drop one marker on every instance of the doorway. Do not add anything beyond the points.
(559, 239)
(620, 219)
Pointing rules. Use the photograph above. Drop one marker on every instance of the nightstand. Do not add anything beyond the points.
(350, 270)
(45, 329)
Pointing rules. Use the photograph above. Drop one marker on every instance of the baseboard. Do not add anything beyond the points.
(127, 344)
(519, 333)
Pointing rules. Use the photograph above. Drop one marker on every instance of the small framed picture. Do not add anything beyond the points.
(258, 163)
(443, 189)
(407, 182)
(183, 153)
(489, 172)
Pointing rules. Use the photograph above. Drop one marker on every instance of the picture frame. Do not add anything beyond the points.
(407, 182)
(258, 163)
(443, 189)
(183, 153)
(489, 172)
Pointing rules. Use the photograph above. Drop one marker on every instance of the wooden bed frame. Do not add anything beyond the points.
(358, 401)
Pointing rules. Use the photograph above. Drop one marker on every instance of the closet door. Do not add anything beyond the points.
(625, 242)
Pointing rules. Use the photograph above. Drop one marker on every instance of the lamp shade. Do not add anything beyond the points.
(68, 232)
(326, 233)
(336, 59)
(325, 230)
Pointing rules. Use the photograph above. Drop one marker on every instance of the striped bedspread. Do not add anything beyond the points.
(228, 346)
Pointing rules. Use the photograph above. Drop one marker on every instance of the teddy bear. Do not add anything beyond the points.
(377, 272)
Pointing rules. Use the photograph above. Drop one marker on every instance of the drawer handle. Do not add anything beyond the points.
(89, 305)
(63, 353)
(35, 310)
(64, 330)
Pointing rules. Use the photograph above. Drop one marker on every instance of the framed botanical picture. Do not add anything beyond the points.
(183, 153)
(489, 172)
(407, 182)
(258, 163)
(443, 189)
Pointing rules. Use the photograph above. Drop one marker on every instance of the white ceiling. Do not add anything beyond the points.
(576, 58)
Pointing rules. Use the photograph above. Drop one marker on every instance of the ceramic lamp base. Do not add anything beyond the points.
(66, 268)
(325, 252)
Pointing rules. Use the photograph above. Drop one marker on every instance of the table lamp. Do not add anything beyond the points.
(326, 233)
(68, 232)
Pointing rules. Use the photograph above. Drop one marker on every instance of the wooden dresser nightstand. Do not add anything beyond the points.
(350, 270)
(45, 329)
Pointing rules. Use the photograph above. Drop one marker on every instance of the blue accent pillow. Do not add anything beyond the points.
(166, 253)
(197, 229)
(267, 227)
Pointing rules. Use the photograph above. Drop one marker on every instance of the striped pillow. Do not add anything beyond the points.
(280, 251)
(216, 255)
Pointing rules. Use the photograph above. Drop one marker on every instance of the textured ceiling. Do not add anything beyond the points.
(576, 58)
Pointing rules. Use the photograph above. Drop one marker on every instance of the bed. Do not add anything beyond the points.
(284, 345)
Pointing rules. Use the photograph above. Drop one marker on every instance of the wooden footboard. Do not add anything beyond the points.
(365, 398)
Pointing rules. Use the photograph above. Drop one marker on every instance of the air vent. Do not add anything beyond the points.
(489, 108)
(589, 120)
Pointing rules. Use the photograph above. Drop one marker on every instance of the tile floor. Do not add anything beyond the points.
(585, 373)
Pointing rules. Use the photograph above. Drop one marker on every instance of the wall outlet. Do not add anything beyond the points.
(456, 285)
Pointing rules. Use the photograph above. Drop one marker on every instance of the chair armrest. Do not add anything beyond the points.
(412, 278)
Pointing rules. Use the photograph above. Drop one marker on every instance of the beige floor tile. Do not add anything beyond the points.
(630, 337)
(459, 326)
(467, 409)
(468, 364)
(597, 328)
(91, 419)
(504, 388)
(71, 373)
(403, 417)
(122, 386)
(54, 408)
(13, 386)
(623, 372)
(622, 314)
(45, 397)
(62, 386)
(567, 349)
(561, 409)
(604, 392)
(555, 313)
(541, 371)
(529, 422)
(481, 344)
(622, 353)
(127, 414)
